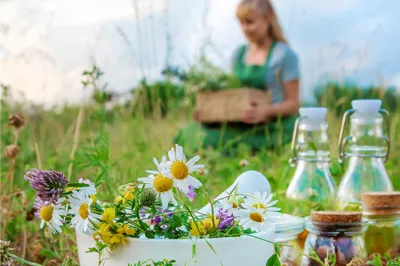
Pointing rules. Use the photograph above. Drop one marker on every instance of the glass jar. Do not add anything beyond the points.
(287, 229)
(312, 187)
(368, 149)
(335, 233)
(382, 212)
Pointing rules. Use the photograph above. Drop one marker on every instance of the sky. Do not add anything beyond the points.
(45, 44)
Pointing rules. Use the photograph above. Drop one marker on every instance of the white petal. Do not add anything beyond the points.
(172, 198)
(164, 200)
(193, 160)
(192, 181)
(271, 203)
(194, 168)
(182, 185)
(171, 155)
(152, 172)
(269, 198)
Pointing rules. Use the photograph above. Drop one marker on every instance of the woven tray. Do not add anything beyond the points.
(227, 105)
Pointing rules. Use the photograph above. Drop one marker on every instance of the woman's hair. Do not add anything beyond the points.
(266, 8)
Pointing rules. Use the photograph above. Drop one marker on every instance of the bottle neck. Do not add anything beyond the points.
(367, 136)
(357, 160)
(313, 142)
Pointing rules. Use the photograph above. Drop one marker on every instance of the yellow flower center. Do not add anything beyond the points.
(162, 183)
(235, 205)
(84, 211)
(259, 206)
(256, 217)
(46, 213)
(179, 170)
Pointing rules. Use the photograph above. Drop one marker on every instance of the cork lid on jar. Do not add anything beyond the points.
(381, 203)
(335, 217)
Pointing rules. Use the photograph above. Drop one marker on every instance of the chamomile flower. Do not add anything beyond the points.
(162, 186)
(261, 201)
(180, 170)
(253, 218)
(51, 215)
(84, 218)
(256, 212)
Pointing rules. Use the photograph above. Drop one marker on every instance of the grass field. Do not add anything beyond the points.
(61, 140)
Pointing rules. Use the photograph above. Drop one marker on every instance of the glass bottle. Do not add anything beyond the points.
(334, 233)
(368, 149)
(312, 187)
(382, 212)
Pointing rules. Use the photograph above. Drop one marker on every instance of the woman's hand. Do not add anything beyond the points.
(255, 114)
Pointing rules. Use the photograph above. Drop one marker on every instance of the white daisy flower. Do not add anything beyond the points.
(51, 215)
(84, 218)
(261, 201)
(256, 211)
(180, 170)
(162, 186)
(253, 218)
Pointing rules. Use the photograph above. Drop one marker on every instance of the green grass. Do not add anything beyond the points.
(48, 137)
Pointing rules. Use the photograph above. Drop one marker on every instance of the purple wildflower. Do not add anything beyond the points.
(191, 194)
(156, 220)
(225, 219)
(48, 184)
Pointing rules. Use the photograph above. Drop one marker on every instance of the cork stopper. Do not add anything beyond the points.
(381, 202)
(335, 217)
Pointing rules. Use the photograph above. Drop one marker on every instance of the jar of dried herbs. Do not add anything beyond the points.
(336, 236)
(382, 212)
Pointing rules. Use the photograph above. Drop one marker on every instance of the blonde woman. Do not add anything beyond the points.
(266, 62)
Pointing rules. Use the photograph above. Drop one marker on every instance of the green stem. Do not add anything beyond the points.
(20, 259)
(212, 206)
(143, 225)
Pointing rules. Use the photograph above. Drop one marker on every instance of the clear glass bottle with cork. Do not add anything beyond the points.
(367, 147)
(312, 187)
(334, 233)
(382, 212)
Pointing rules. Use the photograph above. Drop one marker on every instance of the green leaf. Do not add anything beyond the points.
(48, 253)
(100, 177)
(273, 261)
(376, 260)
(78, 185)
(92, 250)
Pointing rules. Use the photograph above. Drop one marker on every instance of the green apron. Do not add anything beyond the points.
(228, 136)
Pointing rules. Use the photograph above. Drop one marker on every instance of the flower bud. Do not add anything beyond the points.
(16, 120)
(11, 151)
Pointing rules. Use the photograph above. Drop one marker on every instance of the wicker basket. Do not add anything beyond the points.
(227, 105)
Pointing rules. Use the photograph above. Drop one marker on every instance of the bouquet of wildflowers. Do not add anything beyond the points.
(151, 208)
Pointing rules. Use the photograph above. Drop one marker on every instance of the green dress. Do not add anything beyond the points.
(228, 136)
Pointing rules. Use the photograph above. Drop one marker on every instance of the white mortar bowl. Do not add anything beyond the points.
(232, 251)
